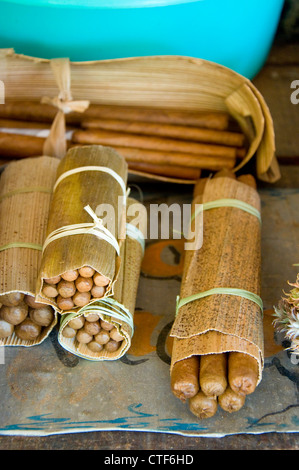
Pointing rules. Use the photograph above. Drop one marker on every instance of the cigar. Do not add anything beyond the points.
(166, 171)
(20, 146)
(202, 406)
(212, 374)
(183, 132)
(121, 139)
(231, 401)
(242, 373)
(40, 112)
(184, 378)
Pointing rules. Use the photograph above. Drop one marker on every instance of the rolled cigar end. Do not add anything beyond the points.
(212, 374)
(6, 329)
(83, 337)
(242, 373)
(83, 284)
(225, 173)
(14, 315)
(184, 378)
(81, 298)
(92, 317)
(202, 406)
(86, 271)
(92, 328)
(106, 325)
(50, 291)
(70, 275)
(115, 335)
(95, 347)
(112, 345)
(98, 291)
(66, 288)
(77, 323)
(28, 330)
(69, 332)
(102, 337)
(43, 316)
(231, 401)
(12, 299)
(100, 280)
(64, 304)
(31, 302)
(53, 280)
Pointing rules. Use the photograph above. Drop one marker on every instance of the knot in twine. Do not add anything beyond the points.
(55, 144)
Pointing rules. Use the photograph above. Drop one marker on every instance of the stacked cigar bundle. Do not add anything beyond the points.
(81, 257)
(22, 315)
(104, 329)
(217, 355)
(162, 143)
(25, 197)
(75, 288)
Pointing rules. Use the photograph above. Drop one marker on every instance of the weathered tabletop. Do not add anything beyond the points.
(274, 81)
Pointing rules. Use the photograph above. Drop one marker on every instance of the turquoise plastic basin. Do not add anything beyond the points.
(234, 33)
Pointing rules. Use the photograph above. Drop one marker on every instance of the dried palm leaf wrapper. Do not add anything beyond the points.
(171, 84)
(25, 197)
(104, 329)
(219, 310)
(79, 251)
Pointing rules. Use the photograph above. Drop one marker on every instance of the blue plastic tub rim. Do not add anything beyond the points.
(109, 4)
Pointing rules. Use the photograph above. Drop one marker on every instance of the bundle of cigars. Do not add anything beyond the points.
(104, 329)
(217, 354)
(175, 146)
(25, 197)
(59, 257)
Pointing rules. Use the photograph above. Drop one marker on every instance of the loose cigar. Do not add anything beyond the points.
(112, 345)
(20, 146)
(35, 111)
(81, 298)
(183, 132)
(69, 332)
(231, 401)
(205, 119)
(12, 299)
(42, 316)
(66, 288)
(185, 378)
(92, 328)
(83, 284)
(50, 290)
(86, 271)
(6, 329)
(14, 315)
(121, 139)
(83, 337)
(202, 162)
(95, 347)
(202, 406)
(212, 374)
(70, 275)
(242, 373)
(166, 170)
(77, 323)
(28, 330)
(100, 280)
